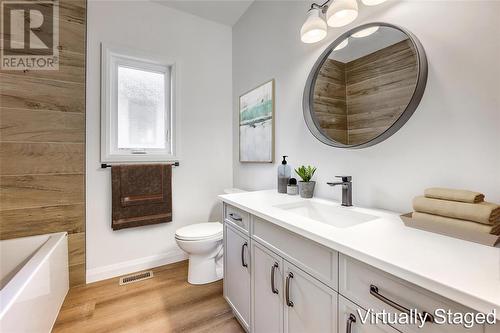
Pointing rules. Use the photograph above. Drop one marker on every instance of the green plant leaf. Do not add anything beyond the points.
(305, 173)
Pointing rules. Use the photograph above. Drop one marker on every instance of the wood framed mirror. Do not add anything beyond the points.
(365, 86)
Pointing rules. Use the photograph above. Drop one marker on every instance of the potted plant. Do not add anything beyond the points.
(306, 186)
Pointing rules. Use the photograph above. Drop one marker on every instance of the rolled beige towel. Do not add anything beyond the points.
(483, 212)
(447, 222)
(454, 195)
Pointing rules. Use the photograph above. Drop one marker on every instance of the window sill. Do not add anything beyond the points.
(138, 158)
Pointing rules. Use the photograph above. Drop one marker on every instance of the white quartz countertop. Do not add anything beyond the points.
(465, 272)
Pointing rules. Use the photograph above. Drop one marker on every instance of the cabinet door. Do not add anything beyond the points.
(310, 306)
(267, 290)
(237, 274)
(354, 319)
(374, 289)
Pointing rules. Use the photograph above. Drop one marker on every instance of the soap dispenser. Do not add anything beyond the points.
(284, 174)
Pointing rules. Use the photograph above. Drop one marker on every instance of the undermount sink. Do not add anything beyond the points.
(337, 216)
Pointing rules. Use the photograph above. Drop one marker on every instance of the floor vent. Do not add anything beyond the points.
(136, 277)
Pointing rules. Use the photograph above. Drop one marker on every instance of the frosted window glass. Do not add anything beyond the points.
(141, 109)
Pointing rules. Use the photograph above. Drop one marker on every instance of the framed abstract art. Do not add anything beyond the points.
(256, 124)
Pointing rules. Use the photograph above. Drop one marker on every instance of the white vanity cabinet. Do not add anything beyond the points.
(313, 258)
(287, 299)
(278, 281)
(237, 273)
(353, 319)
(310, 306)
(374, 289)
(267, 290)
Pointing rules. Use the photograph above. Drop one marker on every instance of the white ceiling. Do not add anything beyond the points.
(227, 12)
(359, 47)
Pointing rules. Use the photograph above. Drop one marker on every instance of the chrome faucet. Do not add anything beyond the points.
(346, 189)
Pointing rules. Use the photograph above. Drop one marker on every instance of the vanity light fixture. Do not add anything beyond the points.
(341, 12)
(333, 13)
(314, 28)
(365, 32)
(342, 44)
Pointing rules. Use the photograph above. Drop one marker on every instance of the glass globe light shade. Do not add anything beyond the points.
(314, 28)
(341, 13)
(372, 2)
(365, 32)
(342, 44)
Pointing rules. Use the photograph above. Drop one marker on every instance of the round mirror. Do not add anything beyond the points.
(365, 86)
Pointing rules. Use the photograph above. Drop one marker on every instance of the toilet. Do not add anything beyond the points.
(203, 243)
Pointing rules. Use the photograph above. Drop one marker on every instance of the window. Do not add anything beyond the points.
(137, 109)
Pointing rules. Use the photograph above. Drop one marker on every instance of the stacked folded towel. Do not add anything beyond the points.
(462, 208)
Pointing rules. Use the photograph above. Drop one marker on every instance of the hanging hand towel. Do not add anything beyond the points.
(142, 195)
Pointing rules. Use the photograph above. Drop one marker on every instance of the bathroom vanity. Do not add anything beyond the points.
(311, 265)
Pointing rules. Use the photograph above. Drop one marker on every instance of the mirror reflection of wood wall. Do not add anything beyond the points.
(356, 101)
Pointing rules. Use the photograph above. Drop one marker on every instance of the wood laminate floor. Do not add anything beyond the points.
(165, 303)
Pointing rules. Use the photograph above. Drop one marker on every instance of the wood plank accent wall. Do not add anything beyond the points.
(330, 104)
(42, 144)
(356, 101)
(378, 89)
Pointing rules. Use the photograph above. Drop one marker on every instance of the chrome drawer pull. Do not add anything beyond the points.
(374, 292)
(287, 293)
(273, 268)
(235, 217)
(243, 262)
(350, 320)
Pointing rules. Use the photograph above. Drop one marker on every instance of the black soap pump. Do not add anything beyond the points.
(284, 174)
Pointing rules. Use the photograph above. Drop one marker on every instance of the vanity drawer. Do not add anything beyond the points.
(311, 257)
(374, 289)
(354, 319)
(237, 217)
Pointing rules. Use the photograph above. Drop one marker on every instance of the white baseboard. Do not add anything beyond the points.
(131, 266)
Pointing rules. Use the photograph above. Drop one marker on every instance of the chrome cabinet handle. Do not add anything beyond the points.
(350, 320)
(243, 262)
(374, 292)
(273, 268)
(287, 293)
(235, 217)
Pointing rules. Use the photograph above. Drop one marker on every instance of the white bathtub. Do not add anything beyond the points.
(34, 282)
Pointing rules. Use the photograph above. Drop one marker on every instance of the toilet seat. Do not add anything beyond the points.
(203, 243)
(200, 231)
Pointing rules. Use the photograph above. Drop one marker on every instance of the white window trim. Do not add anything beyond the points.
(110, 56)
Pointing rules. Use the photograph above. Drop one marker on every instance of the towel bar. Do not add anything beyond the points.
(105, 165)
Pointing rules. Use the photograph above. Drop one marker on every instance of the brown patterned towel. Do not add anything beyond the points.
(141, 195)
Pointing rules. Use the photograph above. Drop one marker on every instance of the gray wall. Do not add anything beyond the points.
(453, 139)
